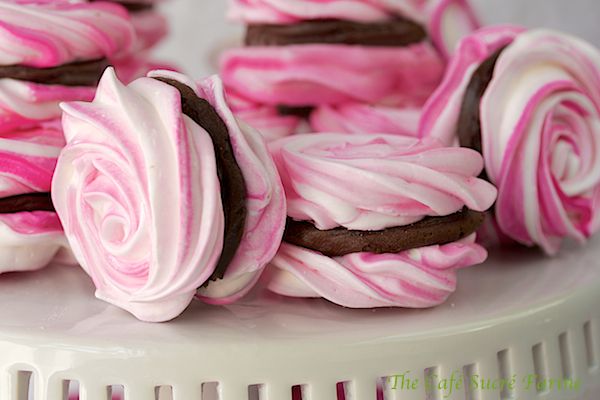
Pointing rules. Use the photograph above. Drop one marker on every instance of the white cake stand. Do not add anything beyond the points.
(518, 314)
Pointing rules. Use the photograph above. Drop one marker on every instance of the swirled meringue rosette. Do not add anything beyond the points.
(52, 51)
(540, 138)
(145, 188)
(377, 220)
(30, 231)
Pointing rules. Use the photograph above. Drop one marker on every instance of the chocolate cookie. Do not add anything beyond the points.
(132, 7)
(393, 33)
(86, 73)
(469, 125)
(26, 202)
(302, 112)
(233, 186)
(427, 232)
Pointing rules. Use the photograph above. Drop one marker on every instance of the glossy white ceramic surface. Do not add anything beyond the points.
(506, 318)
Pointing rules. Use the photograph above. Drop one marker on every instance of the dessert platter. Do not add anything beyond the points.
(371, 200)
(515, 314)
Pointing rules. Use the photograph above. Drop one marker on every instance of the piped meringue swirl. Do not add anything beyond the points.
(369, 183)
(137, 189)
(137, 192)
(49, 34)
(546, 158)
(402, 180)
(539, 120)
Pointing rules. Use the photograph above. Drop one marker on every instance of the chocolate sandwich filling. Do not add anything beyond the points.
(132, 7)
(233, 186)
(468, 128)
(86, 73)
(26, 203)
(393, 33)
(397, 32)
(426, 232)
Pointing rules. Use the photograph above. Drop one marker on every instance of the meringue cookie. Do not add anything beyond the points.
(30, 233)
(138, 193)
(59, 32)
(362, 188)
(43, 45)
(360, 118)
(539, 138)
(285, 11)
(447, 21)
(308, 75)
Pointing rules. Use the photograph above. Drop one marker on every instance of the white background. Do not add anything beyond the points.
(199, 30)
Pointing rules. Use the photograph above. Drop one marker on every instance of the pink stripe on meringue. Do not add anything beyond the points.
(402, 180)
(417, 278)
(136, 189)
(449, 22)
(358, 118)
(440, 114)
(266, 209)
(49, 34)
(333, 74)
(26, 104)
(290, 11)
(29, 240)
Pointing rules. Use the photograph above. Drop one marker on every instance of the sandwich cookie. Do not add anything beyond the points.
(377, 220)
(30, 231)
(52, 52)
(165, 196)
(539, 139)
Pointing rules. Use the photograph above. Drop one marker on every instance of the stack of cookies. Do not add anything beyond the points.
(50, 51)
(355, 66)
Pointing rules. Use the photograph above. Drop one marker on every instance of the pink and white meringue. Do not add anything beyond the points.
(540, 130)
(137, 191)
(53, 33)
(44, 34)
(417, 278)
(447, 21)
(267, 119)
(370, 183)
(25, 104)
(359, 118)
(29, 240)
(307, 75)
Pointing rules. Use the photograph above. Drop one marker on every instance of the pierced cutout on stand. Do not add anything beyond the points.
(70, 390)
(299, 392)
(431, 383)
(540, 367)
(116, 392)
(344, 390)
(566, 355)
(163, 392)
(210, 391)
(25, 385)
(468, 372)
(256, 392)
(590, 345)
(505, 368)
